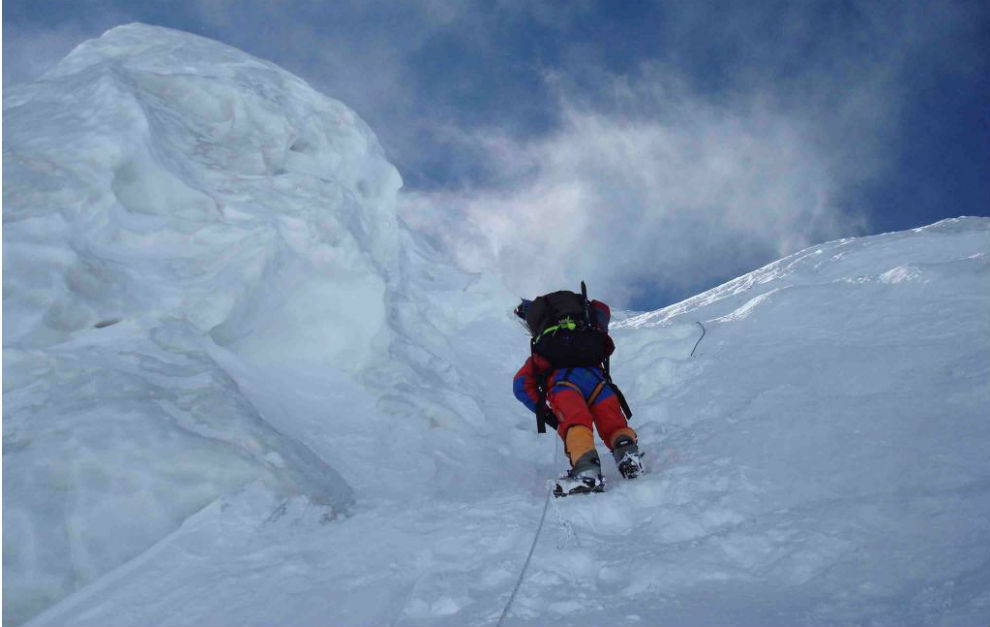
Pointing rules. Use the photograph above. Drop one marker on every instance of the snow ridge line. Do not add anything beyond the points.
(703, 331)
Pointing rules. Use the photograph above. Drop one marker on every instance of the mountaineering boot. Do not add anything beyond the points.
(584, 477)
(628, 457)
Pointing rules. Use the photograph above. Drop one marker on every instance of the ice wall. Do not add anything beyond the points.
(165, 195)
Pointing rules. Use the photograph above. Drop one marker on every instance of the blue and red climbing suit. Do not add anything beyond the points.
(578, 397)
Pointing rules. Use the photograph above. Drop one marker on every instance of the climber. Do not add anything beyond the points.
(566, 382)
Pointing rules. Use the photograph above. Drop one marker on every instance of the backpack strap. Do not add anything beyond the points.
(618, 392)
(544, 417)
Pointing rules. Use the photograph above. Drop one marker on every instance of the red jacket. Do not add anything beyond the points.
(524, 383)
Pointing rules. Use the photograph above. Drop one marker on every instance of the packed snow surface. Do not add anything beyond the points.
(238, 390)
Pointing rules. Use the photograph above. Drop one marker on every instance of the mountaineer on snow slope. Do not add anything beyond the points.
(566, 383)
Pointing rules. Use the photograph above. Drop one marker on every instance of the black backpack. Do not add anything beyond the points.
(568, 334)
(563, 331)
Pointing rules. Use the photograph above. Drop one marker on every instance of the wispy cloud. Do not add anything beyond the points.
(657, 182)
(666, 191)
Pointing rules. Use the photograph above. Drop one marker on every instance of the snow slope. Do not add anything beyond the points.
(237, 390)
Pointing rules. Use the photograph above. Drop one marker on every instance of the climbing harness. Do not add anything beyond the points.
(591, 398)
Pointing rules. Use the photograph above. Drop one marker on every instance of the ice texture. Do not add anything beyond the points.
(166, 196)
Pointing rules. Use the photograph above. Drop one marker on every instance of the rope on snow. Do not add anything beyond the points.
(536, 536)
(700, 338)
(522, 573)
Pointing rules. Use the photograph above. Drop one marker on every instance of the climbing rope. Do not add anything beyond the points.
(536, 536)
(700, 338)
(522, 573)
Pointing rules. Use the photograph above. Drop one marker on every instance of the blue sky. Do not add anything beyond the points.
(653, 148)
